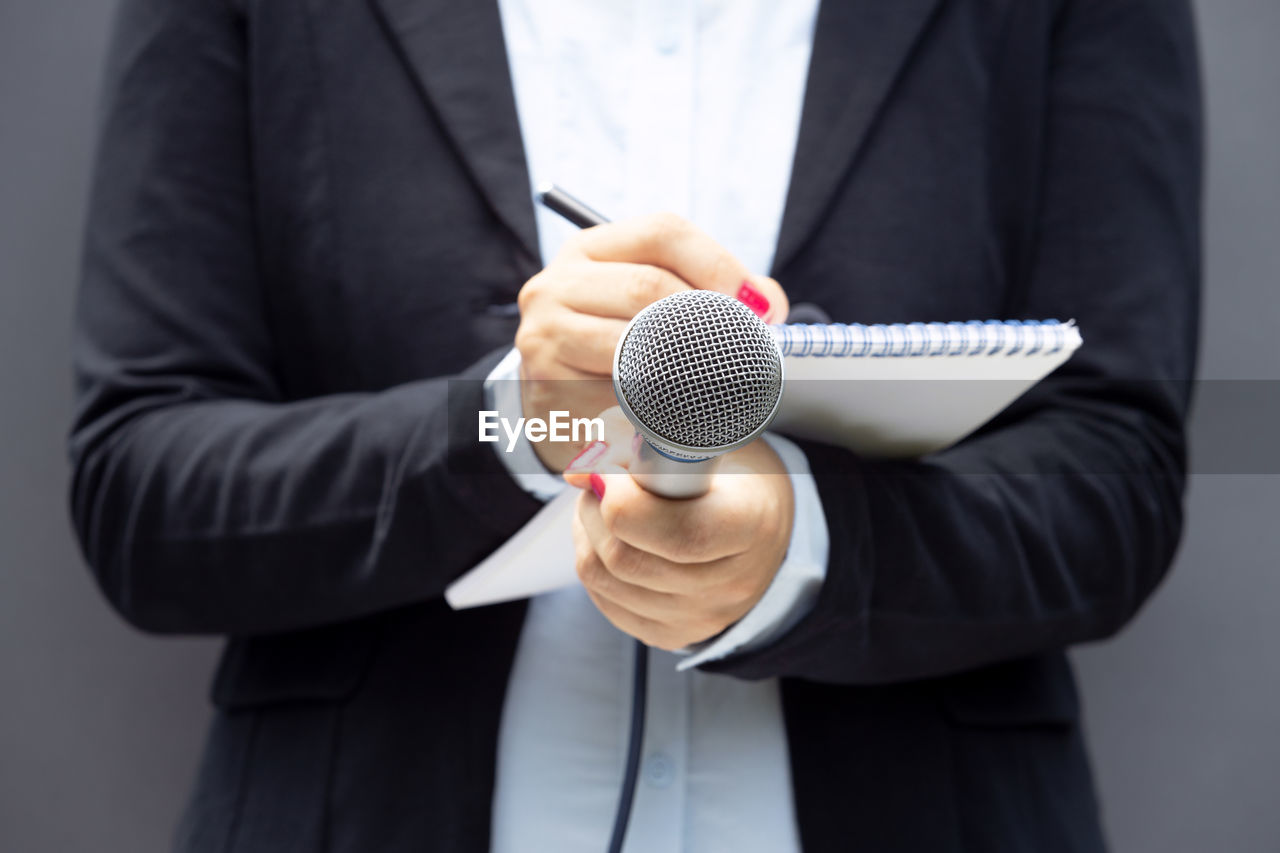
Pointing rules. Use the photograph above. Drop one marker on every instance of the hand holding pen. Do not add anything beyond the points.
(572, 313)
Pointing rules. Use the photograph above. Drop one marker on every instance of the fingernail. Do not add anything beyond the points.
(753, 299)
(587, 457)
(597, 486)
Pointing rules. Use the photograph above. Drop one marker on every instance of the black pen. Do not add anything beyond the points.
(558, 201)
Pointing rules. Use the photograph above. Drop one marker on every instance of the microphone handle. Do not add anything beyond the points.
(671, 478)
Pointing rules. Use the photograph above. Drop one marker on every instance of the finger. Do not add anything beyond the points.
(590, 568)
(655, 605)
(588, 342)
(707, 595)
(617, 289)
(723, 579)
(664, 624)
(615, 453)
(635, 568)
(721, 523)
(673, 243)
(580, 341)
(659, 633)
(778, 306)
(560, 387)
(550, 370)
(647, 631)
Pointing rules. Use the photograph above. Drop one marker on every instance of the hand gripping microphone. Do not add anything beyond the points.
(698, 374)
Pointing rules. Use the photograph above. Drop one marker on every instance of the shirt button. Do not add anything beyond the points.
(659, 770)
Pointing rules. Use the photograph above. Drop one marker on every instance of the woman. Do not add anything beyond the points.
(312, 241)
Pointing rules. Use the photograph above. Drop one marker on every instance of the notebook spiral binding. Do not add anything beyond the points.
(898, 340)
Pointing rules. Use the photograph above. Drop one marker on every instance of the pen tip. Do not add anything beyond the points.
(544, 188)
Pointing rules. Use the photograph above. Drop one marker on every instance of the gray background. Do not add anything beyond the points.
(100, 726)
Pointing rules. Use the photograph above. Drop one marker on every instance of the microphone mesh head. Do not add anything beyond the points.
(699, 369)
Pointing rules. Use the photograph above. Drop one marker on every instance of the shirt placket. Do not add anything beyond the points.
(659, 155)
(660, 119)
(658, 813)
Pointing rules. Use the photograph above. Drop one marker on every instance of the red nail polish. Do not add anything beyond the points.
(753, 299)
(587, 457)
(597, 485)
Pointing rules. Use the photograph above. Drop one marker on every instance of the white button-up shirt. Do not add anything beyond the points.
(640, 106)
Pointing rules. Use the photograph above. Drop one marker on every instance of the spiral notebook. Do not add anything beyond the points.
(911, 389)
(899, 390)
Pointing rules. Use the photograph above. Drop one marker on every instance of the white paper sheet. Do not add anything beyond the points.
(538, 559)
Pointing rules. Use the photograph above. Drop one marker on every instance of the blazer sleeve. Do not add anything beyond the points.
(1053, 524)
(203, 500)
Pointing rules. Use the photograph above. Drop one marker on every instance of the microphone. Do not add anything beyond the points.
(698, 375)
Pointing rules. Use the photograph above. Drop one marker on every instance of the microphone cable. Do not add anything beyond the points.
(639, 698)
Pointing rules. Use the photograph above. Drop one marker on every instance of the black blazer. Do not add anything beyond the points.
(309, 224)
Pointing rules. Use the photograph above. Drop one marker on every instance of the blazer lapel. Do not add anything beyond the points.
(859, 48)
(456, 51)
